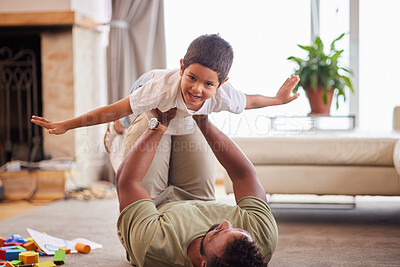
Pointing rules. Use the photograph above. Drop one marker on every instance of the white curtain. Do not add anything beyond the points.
(136, 44)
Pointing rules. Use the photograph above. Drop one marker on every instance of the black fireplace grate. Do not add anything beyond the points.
(20, 98)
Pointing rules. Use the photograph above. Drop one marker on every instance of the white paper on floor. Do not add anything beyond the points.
(49, 244)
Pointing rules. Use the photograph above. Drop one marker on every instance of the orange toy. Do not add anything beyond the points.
(82, 248)
(30, 246)
(29, 258)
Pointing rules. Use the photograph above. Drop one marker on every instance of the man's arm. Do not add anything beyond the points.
(282, 97)
(240, 170)
(136, 163)
(101, 115)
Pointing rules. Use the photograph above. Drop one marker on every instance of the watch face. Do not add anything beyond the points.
(153, 123)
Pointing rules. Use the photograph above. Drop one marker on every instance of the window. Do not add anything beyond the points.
(263, 34)
(379, 61)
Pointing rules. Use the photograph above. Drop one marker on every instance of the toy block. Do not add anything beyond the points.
(22, 254)
(3, 253)
(9, 244)
(59, 257)
(67, 250)
(30, 239)
(1, 241)
(14, 247)
(29, 258)
(8, 264)
(82, 248)
(12, 254)
(45, 264)
(16, 262)
(30, 245)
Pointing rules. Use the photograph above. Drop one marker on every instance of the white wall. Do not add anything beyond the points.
(98, 10)
(34, 6)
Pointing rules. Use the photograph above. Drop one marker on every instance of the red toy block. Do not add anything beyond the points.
(3, 253)
(1, 241)
(9, 244)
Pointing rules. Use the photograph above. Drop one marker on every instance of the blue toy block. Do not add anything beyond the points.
(12, 254)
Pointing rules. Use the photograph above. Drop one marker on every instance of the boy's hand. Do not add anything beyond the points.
(52, 127)
(165, 117)
(283, 95)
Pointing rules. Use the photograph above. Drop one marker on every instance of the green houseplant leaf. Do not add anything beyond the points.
(322, 70)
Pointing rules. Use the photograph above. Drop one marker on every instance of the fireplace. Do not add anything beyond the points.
(68, 54)
(20, 97)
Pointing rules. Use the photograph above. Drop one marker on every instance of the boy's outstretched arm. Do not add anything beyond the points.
(240, 170)
(282, 97)
(101, 115)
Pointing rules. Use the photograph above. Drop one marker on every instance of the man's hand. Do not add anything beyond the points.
(166, 117)
(283, 95)
(52, 127)
(200, 118)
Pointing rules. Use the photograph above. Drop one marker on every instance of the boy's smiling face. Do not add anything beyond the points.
(198, 84)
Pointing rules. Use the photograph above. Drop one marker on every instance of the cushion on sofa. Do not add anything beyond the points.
(320, 149)
(396, 156)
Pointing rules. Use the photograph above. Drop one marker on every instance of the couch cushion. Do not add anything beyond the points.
(396, 156)
(349, 148)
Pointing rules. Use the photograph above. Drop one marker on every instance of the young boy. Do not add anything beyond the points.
(200, 87)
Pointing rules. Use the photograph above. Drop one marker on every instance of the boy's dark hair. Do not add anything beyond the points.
(241, 252)
(211, 51)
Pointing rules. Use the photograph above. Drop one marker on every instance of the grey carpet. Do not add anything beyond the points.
(368, 235)
(95, 220)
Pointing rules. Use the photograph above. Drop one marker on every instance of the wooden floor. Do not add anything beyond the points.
(10, 209)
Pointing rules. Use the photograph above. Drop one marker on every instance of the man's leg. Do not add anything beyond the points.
(156, 179)
(192, 167)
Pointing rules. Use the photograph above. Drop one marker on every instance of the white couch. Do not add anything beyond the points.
(327, 163)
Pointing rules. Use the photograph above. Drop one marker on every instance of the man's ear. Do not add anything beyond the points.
(203, 262)
(181, 72)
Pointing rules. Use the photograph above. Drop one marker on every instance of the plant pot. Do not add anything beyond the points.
(315, 97)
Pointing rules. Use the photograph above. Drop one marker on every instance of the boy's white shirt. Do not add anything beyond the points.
(163, 92)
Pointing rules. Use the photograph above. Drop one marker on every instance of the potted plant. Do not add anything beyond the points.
(321, 77)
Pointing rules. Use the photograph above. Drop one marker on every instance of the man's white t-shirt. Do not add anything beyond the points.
(162, 91)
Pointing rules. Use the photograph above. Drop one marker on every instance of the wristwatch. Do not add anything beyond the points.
(155, 124)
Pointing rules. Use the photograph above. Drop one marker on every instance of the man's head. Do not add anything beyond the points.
(224, 245)
(204, 69)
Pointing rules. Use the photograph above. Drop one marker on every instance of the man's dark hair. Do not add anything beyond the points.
(211, 51)
(241, 252)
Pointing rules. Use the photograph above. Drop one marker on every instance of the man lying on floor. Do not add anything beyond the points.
(178, 233)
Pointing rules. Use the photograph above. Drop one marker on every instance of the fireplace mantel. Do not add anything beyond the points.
(49, 18)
